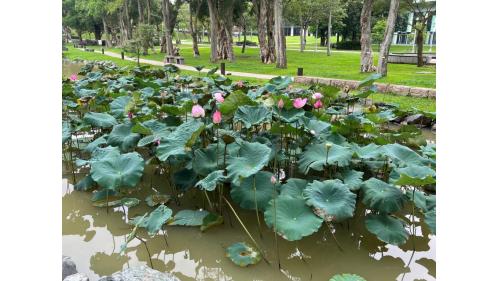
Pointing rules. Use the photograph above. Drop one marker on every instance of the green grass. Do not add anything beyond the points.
(426, 104)
(340, 65)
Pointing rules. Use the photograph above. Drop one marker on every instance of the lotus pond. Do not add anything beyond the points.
(213, 179)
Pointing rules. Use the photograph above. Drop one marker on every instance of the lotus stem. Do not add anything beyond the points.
(256, 207)
(209, 202)
(413, 220)
(276, 227)
(147, 249)
(246, 230)
(332, 231)
(165, 237)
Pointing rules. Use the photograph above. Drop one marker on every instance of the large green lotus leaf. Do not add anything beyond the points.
(281, 82)
(388, 229)
(331, 199)
(96, 143)
(189, 217)
(211, 220)
(157, 218)
(85, 184)
(381, 196)
(66, 131)
(430, 202)
(352, 178)
(253, 156)
(314, 157)
(155, 136)
(122, 137)
(206, 161)
(315, 127)
(252, 115)
(97, 119)
(176, 142)
(403, 155)
(291, 115)
(294, 218)
(245, 195)
(117, 106)
(210, 182)
(293, 188)
(184, 179)
(115, 170)
(420, 199)
(157, 199)
(347, 277)
(370, 151)
(233, 101)
(243, 255)
(430, 220)
(137, 222)
(416, 176)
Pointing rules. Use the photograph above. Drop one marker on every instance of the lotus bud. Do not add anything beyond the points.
(281, 103)
(157, 142)
(217, 117)
(273, 179)
(130, 115)
(328, 145)
(219, 97)
(197, 111)
(317, 96)
(73, 77)
(318, 104)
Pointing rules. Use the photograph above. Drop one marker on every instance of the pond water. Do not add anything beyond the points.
(92, 237)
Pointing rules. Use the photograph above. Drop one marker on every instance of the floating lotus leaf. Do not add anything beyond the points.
(117, 106)
(252, 115)
(381, 196)
(189, 217)
(332, 200)
(314, 157)
(430, 220)
(352, 178)
(388, 229)
(157, 218)
(416, 176)
(122, 137)
(96, 143)
(347, 277)
(184, 136)
(66, 131)
(252, 158)
(403, 155)
(185, 179)
(157, 199)
(210, 221)
(294, 218)
(291, 115)
(293, 188)
(97, 119)
(243, 255)
(129, 202)
(85, 184)
(245, 195)
(115, 170)
(233, 101)
(210, 182)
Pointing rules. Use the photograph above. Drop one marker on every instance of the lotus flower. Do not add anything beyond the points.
(157, 142)
(197, 111)
(217, 117)
(281, 103)
(317, 96)
(273, 179)
(219, 97)
(240, 84)
(130, 115)
(318, 104)
(73, 77)
(299, 103)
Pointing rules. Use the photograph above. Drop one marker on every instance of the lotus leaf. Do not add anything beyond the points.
(291, 115)
(210, 182)
(122, 137)
(97, 119)
(252, 115)
(293, 188)
(96, 143)
(315, 157)
(117, 106)
(420, 199)
(185, 179)
(281, 82)
(176, 142)
(189, 217)
(156, 199)
(85, 184)
(403, 155)
(252, 158)
(115, 170)
(370, 151)
(294, 219)
(381, 196)
(137, 222)
(388, 229)
(233, 101)
(416, 176)
(245, 195)
(66, 132)
(352, 178)
(430, 220)
(206, 161)
(347, 277)
(317, 127)
(129, 202)
(210, 221)
(331, 199)
(157, 219)
(243, 255)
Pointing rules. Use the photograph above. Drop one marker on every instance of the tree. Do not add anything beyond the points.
(304, 13)
(213, 30)
(386, 43)
(366, 42)
(265, 22)
(279, 34)
(194, 13)
(378, 31)
(351, 22)
(422, 12)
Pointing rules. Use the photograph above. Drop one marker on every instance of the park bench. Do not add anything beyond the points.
(174, 59)
(179, 60)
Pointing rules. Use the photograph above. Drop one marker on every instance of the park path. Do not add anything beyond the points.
(191, 68)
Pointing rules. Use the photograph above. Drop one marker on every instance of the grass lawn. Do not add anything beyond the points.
(406, 102)
(341, 65)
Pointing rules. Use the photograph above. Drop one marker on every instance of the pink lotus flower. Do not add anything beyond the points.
(219, 97)
(317, 96)
(73, 77)
(299, 103)
(157, 142)
(281, 103)
(197, 111)
(273, 179)
(318, 104)
(217, 117)
(240, 84)
(130, 115)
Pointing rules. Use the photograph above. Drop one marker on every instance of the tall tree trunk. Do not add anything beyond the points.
(193, 28)
(386, 42)
(261, 7)
(148, 10)
(126, 20)
(366, 37)
(420, 45)
(279, 34)
(329, 35)
(106, 32)
(97, 32)
(271, 32)
(213, 30)
(166, 11)
(141, 11)
(244, 36)
(302, 41)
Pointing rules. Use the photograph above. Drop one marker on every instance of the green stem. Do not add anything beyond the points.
(256, 207)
